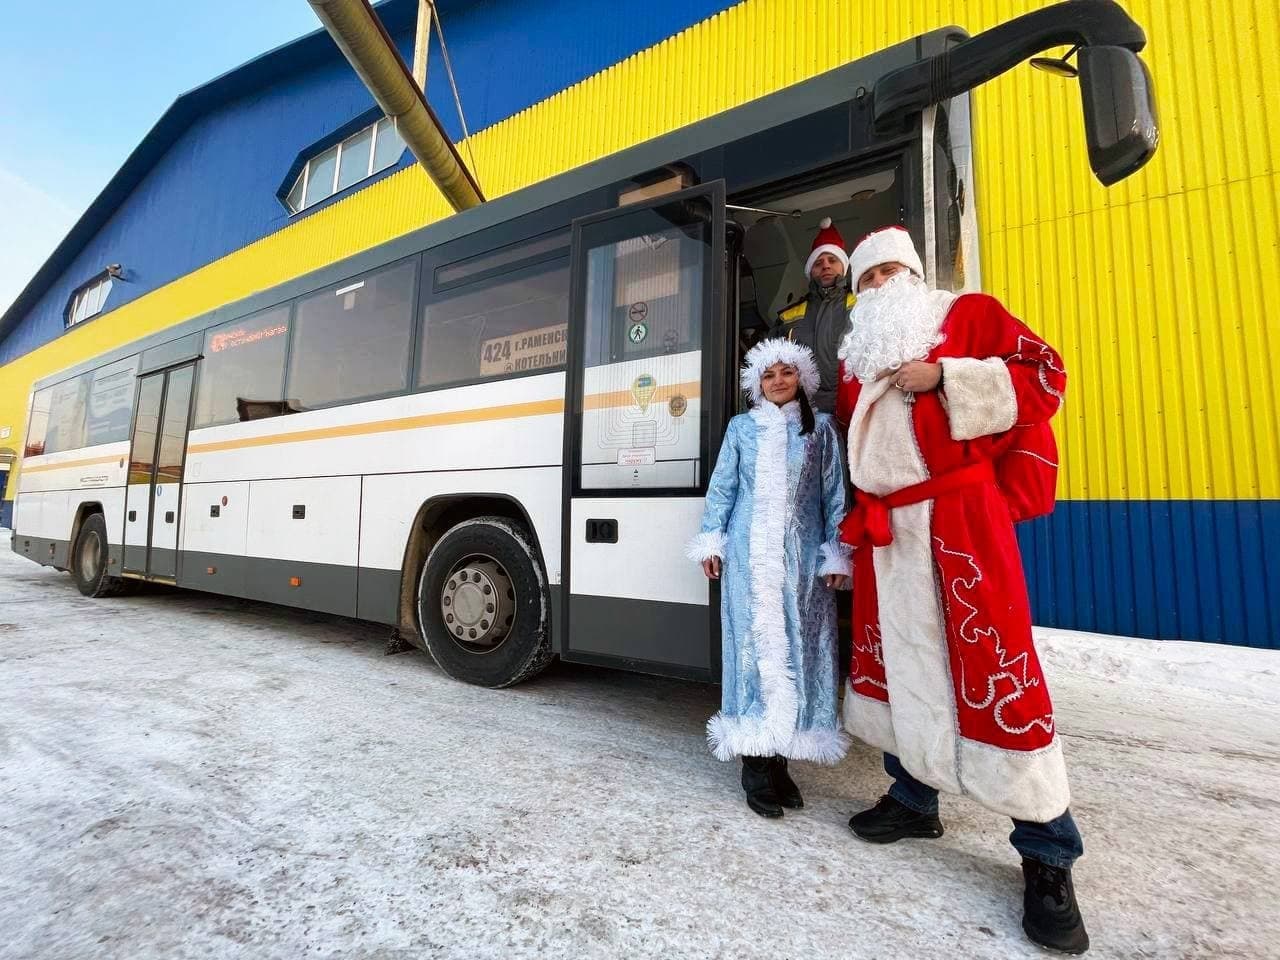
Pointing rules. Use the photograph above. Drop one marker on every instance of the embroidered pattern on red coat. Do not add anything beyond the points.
(868, 664)
(1040, 353)
(1016, 670)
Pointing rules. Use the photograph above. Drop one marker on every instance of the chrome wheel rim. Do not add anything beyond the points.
(478, 604)
(90, 560)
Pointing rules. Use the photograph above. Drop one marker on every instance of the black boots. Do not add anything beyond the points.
(769, 787)
(1050, 915)
(889, 821)
(762, 797)
(786, 789)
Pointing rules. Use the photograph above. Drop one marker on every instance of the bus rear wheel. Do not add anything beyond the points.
(89, 557)
(483, 603)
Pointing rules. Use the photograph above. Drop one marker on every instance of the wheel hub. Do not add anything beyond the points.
(90, 557)
(478, 603)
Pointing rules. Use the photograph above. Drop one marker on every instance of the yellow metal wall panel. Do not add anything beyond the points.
(1155, 289)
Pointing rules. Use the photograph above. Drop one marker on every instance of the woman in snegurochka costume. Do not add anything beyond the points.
(770, 533)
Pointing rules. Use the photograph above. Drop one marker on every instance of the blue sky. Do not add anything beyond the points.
(80, 85)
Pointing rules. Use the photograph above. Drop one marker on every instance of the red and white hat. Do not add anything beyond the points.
(829, 241)
(887, 245)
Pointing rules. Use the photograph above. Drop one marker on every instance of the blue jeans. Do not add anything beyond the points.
(1056, 843)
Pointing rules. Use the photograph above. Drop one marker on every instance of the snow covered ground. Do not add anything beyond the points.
(189, 776)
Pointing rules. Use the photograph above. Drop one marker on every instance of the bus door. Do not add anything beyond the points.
(645, 413)
(156, 458)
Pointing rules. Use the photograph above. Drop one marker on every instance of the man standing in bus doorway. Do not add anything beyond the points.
(821, 319)
(947, 400)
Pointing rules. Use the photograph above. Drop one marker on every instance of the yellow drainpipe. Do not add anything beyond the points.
(363, 41)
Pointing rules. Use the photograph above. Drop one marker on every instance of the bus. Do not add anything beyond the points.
(494, 434)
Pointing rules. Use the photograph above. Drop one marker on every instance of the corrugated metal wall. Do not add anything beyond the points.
(1154, 289)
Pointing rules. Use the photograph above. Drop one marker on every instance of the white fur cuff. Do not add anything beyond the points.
(705, 545)
(979, 396)
(836, 559)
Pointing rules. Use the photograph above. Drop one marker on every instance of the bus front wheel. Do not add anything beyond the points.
(89, 556)
(484, 605)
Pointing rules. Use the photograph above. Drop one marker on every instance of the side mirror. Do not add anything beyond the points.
(1120, 122)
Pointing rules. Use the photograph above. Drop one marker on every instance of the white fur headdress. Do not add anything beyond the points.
(778, 350)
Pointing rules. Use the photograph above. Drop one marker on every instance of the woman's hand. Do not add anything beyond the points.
(917, 377)
(711, 567)
(838, 581)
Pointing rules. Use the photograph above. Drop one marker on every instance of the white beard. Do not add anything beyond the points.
(892, 325)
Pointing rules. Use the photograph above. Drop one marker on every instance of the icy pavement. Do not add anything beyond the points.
(189, 776)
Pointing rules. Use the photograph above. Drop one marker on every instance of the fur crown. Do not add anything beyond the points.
(768, 352)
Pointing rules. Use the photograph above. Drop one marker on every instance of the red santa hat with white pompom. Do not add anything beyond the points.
(829, 241)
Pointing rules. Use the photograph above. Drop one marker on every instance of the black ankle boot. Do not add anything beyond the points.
(786, 789)
(889, 821)
(761, 796)
(1050, 915)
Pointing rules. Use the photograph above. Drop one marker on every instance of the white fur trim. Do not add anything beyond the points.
(837, 559)
(837, 251)
(771, 732)
(914, 645)
(980, 397)
(869, 720)
(705, 545)
(778, 350)
(1023, 784)
(890, 245)
(732, 737)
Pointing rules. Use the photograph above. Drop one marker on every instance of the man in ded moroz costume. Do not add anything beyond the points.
(947, 401)
(770, 534)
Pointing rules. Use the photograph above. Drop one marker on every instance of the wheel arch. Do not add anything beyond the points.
(434, 517)
(84, 511)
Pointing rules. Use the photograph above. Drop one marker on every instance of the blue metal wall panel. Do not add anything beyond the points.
(1163, 569)
(214, 190)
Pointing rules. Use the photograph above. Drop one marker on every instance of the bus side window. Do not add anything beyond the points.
(502, 327)
(351, 341)
(110, 402)
(38, 428)
(67, 409)
(242, 373)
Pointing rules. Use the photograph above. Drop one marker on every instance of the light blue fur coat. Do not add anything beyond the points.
(773, 507)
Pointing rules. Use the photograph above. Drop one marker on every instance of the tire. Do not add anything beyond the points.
(89, 560)
(487, 571)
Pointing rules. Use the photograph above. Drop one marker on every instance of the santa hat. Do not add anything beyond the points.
(829, 241)
(888, 245)
(778, 350)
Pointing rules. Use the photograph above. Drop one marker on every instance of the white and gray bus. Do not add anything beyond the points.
(494, 433)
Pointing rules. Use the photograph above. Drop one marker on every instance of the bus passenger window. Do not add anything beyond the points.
(499, 328)
(110, 406)
(351, 341)
(242, 373)
(38, 426)
(66, 416)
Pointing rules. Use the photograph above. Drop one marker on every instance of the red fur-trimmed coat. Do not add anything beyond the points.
(944, 673)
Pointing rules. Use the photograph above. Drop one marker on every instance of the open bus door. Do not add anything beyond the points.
(645, 413)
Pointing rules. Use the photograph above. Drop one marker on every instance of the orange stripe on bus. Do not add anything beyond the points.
(512, 411)
(627, 398)
(67, 464)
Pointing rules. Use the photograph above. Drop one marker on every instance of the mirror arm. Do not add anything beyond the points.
(972, 62)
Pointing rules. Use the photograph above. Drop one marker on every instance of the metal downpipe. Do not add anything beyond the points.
(363, 41)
